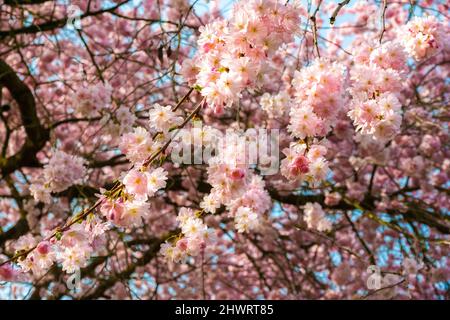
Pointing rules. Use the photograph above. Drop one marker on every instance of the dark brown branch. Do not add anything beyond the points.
(37, 135)
(14, 3)
(19, 229)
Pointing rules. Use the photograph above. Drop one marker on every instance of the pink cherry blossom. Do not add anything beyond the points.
(257, 149)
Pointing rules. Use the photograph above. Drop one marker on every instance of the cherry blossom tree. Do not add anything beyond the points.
(99, 101)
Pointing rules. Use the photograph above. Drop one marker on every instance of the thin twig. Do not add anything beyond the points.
(91, 54)
(412, 6)
(383, 20)
(314, 27)
(183, 99)
(374, 170)
(153, 157)
(336, 11)
(384, 288)
(364, 244)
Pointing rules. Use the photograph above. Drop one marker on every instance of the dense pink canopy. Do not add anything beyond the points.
(123, 175)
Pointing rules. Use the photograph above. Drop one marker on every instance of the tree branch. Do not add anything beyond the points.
(37, 135)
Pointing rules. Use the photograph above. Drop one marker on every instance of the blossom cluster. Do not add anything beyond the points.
(423, 37)
(319, 96)
(139, 144)
(127, 208)
(236, 186)
(72, 251)
(162, 118)
(131, 207)
(228, 179)
(249, 209)
(365, 99)
(275, 105)
(120, 123)
(62, 171)
(194, 237)
(376, 84)
(305, 164)
(232, 54)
